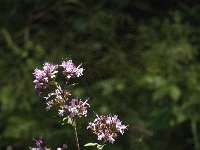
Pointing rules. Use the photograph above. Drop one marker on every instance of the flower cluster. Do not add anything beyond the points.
(107, 127)
(41, 145)
(70, 70)
(74, 108)
(57, 95)
(42, 77)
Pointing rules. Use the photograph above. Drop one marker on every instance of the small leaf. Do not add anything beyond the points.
(99, 147)
(70, 121)
(160, 93)
(65, 118)
(175, 93)
(91, 144)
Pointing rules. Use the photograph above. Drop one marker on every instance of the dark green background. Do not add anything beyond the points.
(141, 60)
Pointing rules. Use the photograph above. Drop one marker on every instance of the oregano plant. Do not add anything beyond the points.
(69, 107)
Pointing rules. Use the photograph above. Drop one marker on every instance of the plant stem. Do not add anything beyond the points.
(76, 135)
(195, 134)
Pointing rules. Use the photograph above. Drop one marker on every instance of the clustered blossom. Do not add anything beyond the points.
(75, 108)
(57, 96)
(107, 127)
(70, 70)
(49, 72)
(41, 145)
(42, 77)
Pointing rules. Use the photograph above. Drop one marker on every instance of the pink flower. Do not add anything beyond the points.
(77, 108)
(70, 70)
(107, 127)
(74, 108)
(42, 77)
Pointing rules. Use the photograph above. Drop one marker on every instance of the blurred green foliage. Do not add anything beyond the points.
(141, 60)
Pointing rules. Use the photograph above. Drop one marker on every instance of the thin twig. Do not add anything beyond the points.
(76, 135)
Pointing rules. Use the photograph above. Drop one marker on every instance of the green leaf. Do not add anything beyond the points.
(91, 144)
(99, 147)
(175, 93)
(65, 118)
(160, 93)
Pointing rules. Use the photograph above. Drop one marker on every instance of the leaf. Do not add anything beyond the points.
(175, 93)
(91, 144)
(160, 93)
(99, 147)
(67, 120)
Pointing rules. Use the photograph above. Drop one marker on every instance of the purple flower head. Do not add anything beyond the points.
(42, 77)
(107, 127)
(58, 97)
(77, 108)
(50, 69)
(56, 94)
(61, 112)
(41, 145)
(40, 142)
(74, 108)
(70, 70)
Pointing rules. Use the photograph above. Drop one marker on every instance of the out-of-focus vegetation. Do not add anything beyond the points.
(141, 59)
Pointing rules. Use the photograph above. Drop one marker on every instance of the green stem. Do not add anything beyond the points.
(76, 135)
(195, 134)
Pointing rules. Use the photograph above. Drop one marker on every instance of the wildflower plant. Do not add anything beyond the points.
(69, 107)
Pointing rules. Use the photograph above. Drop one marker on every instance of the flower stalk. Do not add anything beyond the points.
(76, 134)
